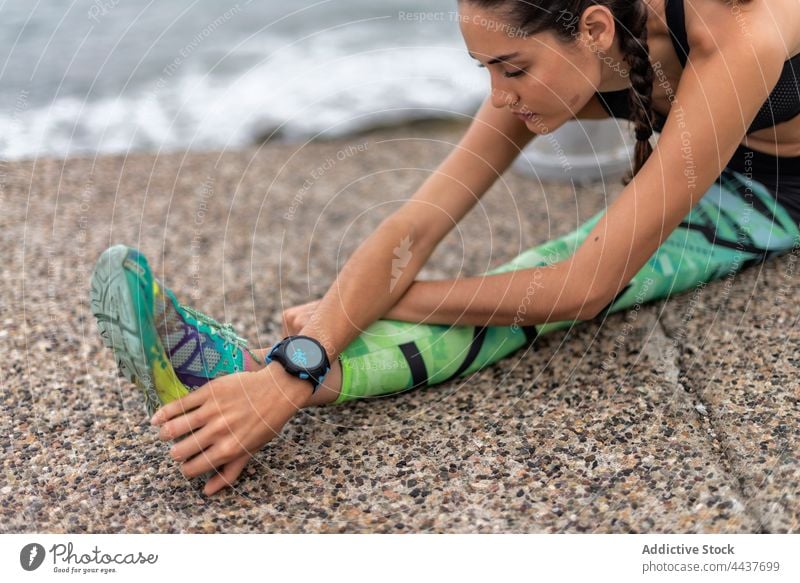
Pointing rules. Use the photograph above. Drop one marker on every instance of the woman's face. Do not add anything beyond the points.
(544, 80)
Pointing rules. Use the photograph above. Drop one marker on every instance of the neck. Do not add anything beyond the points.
(615, 72)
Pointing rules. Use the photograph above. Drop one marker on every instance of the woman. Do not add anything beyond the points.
(716, 79)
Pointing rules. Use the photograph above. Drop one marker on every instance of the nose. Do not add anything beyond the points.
(503, 98)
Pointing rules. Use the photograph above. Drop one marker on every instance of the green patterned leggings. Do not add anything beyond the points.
(736, 224)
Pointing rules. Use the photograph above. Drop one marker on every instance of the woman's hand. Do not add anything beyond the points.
(295, 319)
(227, 420)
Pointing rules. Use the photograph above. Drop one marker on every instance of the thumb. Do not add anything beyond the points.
(284, 327)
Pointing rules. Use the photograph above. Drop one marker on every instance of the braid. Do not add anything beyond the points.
(633, 42)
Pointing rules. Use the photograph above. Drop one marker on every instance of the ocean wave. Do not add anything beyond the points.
(327, 83)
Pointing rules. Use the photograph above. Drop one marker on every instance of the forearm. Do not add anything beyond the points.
(374, 278)
(385, 265)
(523, 297)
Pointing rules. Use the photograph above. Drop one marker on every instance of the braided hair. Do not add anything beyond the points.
(631, 16)
(633, 42)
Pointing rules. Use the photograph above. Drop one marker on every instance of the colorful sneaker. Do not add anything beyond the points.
(161, 346)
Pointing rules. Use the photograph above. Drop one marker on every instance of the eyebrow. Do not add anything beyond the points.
(495, 60)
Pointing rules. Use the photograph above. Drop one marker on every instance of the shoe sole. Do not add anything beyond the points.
(118, 325)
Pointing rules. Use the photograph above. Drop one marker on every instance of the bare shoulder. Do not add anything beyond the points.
(712, 25)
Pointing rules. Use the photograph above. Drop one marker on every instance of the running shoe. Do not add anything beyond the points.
(163, 347)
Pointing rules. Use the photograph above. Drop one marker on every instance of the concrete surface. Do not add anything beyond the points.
(692, 425)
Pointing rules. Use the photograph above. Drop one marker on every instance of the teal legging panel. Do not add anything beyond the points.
(736, 224)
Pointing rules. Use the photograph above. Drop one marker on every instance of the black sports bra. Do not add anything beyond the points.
(782, 104)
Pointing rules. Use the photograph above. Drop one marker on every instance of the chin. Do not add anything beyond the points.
(543, 125)
(539, 124)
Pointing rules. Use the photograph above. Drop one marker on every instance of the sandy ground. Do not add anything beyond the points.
(692, 425)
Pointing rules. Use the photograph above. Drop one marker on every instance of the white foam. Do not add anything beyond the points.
(332, 83)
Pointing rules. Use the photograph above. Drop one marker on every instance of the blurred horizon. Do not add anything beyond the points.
(106, 76)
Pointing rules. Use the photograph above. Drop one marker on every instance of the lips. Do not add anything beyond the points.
(524, 116)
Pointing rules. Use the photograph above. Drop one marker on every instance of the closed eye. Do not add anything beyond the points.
(507, 74)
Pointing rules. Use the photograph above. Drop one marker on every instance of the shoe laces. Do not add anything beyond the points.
(225, 330)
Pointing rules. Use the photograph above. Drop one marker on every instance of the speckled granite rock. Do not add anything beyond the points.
(740, 359)
(594, 431)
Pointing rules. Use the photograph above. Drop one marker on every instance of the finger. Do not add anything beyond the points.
(207, 460)
(180, 406)
(228, 475)
(192, 445)
(182, 425)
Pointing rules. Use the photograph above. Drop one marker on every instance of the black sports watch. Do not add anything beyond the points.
(303, 357)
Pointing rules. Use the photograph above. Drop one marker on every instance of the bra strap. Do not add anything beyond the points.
(676, 22)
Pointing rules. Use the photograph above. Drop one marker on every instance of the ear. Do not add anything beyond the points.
(597, 27)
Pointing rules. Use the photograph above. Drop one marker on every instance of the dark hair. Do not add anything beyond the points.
(527, 17)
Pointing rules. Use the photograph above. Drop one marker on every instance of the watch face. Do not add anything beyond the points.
(304, 353)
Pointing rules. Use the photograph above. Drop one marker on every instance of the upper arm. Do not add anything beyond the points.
(719, 95)
(494, 138)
